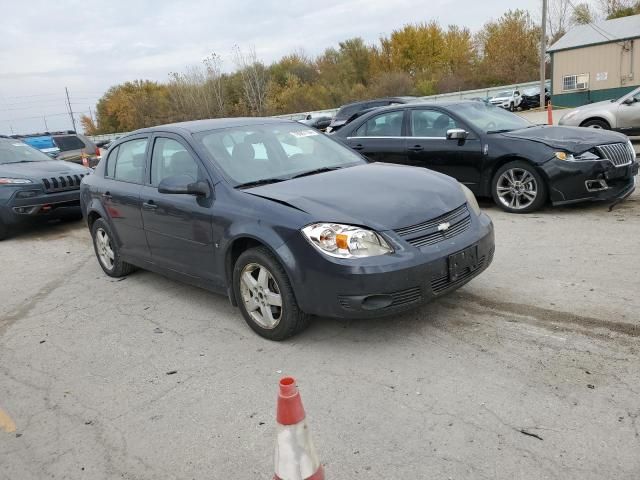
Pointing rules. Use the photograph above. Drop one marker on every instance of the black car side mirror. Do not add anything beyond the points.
(184, 185)
(457, 134)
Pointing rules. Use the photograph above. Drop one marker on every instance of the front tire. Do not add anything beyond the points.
(596, 124)
(4, 231)
(107, 251)
(265, 296)
(517, 187)
(512, 107)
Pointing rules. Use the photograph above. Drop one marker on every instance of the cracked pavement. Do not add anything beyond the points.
(531, 371)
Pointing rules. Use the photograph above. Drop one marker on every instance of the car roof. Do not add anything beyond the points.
(195, 126)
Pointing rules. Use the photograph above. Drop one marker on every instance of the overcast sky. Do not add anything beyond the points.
(89, 45)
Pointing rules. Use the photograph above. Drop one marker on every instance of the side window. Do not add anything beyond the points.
(431, 123)
(130, 162)
(170, 159)
(385, 125)
(111, 161)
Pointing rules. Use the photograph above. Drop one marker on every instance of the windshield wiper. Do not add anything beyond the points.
(263, 181)
(317, 170)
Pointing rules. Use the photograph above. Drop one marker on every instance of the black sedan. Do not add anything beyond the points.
(499, 154)
(285, 221)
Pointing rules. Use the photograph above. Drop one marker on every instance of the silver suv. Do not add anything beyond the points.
(622, 115)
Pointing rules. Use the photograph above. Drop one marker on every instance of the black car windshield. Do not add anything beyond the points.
(490, 119)
(15, 151)
(255, 154)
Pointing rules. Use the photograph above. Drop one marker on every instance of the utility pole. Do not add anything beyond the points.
(46, 127)
(73, 120)
(543, 51)
(91, 115)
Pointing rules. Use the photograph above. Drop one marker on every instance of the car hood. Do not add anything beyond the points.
(41, 169)
(571, 139)
(604, 105)
(499, 99)
(378, 195)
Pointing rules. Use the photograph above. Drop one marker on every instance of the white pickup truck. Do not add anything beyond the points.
(509, 99)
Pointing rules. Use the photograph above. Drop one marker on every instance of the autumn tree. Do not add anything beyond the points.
(582, 14)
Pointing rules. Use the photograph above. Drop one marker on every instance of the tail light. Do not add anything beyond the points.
(98, 154)
(85, 159)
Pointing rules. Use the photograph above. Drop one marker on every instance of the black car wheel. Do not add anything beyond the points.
(4, 231)
(107, 251)
(596, 124)
(512, 107)
(265, 297)
(518, 188)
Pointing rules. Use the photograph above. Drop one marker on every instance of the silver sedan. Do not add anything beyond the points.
(622, 114)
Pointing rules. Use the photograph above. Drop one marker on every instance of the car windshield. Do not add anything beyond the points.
(271, 152)
(490, 119)
(532, 91)
(635, 94)
(15, 151)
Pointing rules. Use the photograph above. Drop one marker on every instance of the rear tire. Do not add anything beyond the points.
(512, 107)
(596, 124)
(107, 251)
(265, 296)
(517, 187)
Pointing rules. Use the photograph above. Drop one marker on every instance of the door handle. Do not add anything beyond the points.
(358, 147)
(106, 196)
(150, 205)
(416, 148)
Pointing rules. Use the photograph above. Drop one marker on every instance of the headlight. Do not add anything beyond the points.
(633, 150)
(345, 241)
(570, 157)
(14, 181)
(471, 200)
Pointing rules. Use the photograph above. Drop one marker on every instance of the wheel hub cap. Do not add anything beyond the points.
(517, 188)
(261, 295)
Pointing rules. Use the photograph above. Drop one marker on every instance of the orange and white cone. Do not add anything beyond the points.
(296, 457)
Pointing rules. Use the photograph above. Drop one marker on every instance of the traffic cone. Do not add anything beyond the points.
(549, 113)
(295, 457)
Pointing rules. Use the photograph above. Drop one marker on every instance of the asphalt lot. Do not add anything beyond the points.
(545, 342)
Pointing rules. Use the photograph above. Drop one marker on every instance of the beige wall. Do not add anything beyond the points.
(596, 59)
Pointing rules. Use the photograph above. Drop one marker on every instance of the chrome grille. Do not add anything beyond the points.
(620, 154)
(427, 233)
(62, 183)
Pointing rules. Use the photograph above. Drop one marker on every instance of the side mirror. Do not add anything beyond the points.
(629, 101)
(184, 185)
(457, 134)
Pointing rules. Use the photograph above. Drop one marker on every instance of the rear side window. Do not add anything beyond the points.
(130, 162)
(69, 142)
(111, 162)
(385, 125)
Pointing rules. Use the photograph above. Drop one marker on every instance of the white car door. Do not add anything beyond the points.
(628, 117)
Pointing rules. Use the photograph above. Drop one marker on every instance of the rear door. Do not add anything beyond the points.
(381, 138)
(120, 195)
(178, 227)
(428, 146)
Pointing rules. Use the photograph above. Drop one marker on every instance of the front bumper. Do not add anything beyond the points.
(14, 210)
(573, 182)
(383, 285)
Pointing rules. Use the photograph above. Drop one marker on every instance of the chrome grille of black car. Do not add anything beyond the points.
(620, 154)
(428, 233)
(62, 183)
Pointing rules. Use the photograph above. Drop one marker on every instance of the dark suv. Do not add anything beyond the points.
(33, 185)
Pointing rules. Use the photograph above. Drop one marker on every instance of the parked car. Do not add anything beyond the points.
(622, 114)
(350, 111)
(33, 185)
(77, 148)
(499, 154)
(283, 220)
(321, 123)
(509, 100)
(531, 98)
(64, 145)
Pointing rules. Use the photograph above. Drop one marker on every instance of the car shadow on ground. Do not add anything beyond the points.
(46, 228)
(491, 208)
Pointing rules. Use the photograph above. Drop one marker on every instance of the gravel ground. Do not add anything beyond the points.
(531, 371)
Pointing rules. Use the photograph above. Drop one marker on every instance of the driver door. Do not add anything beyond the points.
(178, 227)
(629, 117)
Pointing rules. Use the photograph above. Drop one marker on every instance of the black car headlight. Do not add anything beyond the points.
(471, 200)
(583, 157)
(345, 241)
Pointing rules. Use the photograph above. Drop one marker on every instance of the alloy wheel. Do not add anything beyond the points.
(104, 249)
(261, 295)
(517, 188)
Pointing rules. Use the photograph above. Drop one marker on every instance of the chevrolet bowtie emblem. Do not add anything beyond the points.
(444, 226)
